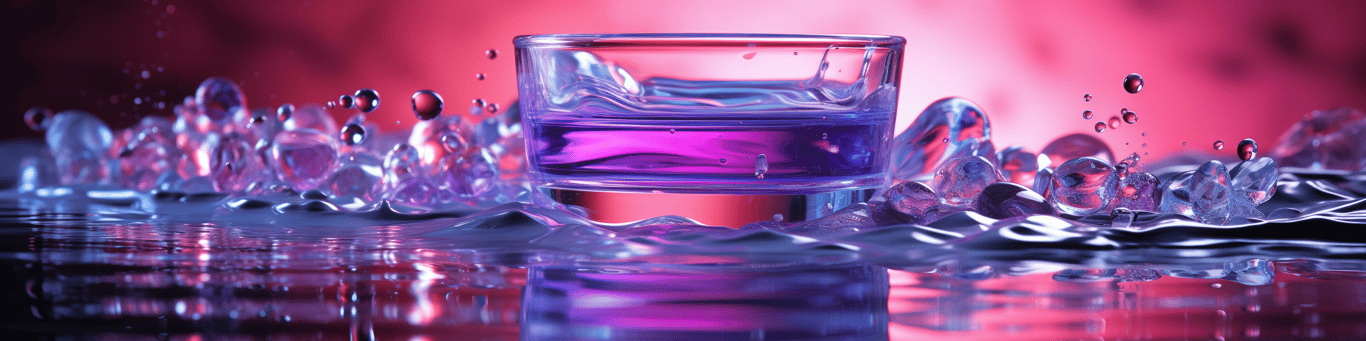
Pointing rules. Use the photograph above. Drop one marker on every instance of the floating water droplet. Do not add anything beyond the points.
(491, 53)
(723, 160)
(331, 104)
(1145, 134)
(946, 140)
(353, 134)
(1100, 127)
(146, 74)
(346, 101)
(777, 217)
(1247, 149)
(760, 166)
(1087, 97)
(479, 76)
(1087, 114)
(1114, 122)
(427, 104)
(492, 108)
(1130, 117)
(750, 55)
(38, 118)
(367, 100)
(1133, 83)
(1218, 144)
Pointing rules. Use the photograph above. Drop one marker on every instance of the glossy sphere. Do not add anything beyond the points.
(367, 100)
(38, 118)
(427, 104)
(1082, 186)
(959, 181)
(303, 158)
(1004, 200)
(914, 200)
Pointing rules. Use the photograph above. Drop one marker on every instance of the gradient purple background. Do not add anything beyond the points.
(1213, 70)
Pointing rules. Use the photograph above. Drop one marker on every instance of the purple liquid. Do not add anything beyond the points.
(807, 151)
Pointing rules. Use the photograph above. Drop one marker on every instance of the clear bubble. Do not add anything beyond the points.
(367, 100)
(479, 76)
(760, 166)
(346, 101)
(946, 140)
(492, 108)
(1100, 127)
(452, 142)
(1133, 83)
(1247, 149)
(777, 217)
(723, 160)
(353, 134)
(672, 131)
(38, 118)
(1130, 117)
(219, 97)
(491, 53)
(1114, 122)
(1087, 97)
(1087, 114)
(331, 104)
(427, 104)
(285, 112)
(1082, 186)
(1218, 144)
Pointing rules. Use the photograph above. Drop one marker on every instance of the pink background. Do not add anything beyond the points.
(1213, 70)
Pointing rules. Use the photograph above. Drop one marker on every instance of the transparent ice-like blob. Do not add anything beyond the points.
(415, 191)
(1082, 186)
(1077, 146)
(311, 116)
(469, 177)
(1137, 191)
(1330, 139)
(1176, 195)
(919, 150)
(959, 181)
(1004, 200)
(36, 172)
(79, 142)
(303, 158)
(1042, 180)
(359, 176)
(1254, 181)
(235, 164)
(502, 135)
(1210, 193)
(915, 201)
(400, 163)
(429, 138)
(1018, 166)
(219, 98)
(143, 163)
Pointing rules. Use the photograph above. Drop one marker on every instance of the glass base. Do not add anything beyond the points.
(730, 210)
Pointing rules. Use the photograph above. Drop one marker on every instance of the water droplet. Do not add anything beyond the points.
(1130, 117)
(492, 108)
(1100, 127)
(945, 140)
(218, 98)
(479, 76)
(1216, 286)
(452, 142)
(1145, 134)
(1087, 114)
(1218, 144)
(1114, 122)
(1183, 143)
(671, 131)
(723, 160)
(285, 112)
(1133, 83)
(346, 102)
(38, 118)
(1247, 149)
(427, 104)
(367, 100)
(777, 217)
(760, 166)
(491, 53)
(825, 136)
(331, 104)
(1087, 97)
(146, 74)
(750, 55)
(353, 134)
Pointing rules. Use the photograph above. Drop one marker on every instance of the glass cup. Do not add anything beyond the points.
(726, 129)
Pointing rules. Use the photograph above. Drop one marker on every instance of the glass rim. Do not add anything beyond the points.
(707, 40)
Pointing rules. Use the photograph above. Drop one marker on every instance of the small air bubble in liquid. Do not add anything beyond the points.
(1114, 122)
(284, 112)
(492, 108)
(38, 118)
(479, 76)
(945, 140)
(367, 100)
(1087, 114)
(825, 136)
(353, 134)
(1087, 97)
(1145, 134)
(1130, 117)
(427, 104)
(1247, 150)
(1100, 127)
(346, 101)
(1133, 83)
(491, 53)
(1218, 144)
